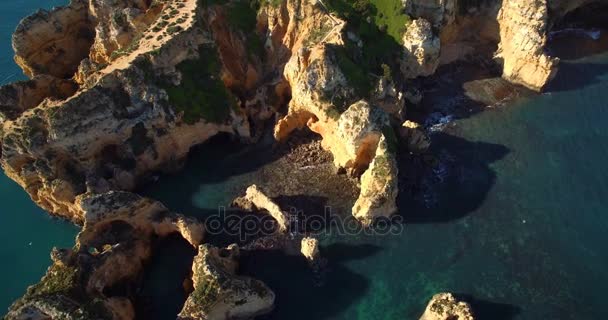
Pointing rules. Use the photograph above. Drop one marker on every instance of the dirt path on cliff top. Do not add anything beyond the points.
(149, 39)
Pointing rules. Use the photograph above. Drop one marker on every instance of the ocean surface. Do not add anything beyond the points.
(517, 222)
(27, 233)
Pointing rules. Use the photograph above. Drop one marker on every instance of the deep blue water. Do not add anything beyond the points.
(28, 234)
(520, 225)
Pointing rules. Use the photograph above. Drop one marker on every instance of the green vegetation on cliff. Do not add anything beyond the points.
(201, 95)
(379, 24)
(206, 292)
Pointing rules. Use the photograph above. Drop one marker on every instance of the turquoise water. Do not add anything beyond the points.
(28, 234)
(519, 225)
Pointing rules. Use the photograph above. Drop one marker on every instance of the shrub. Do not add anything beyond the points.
(201, 93)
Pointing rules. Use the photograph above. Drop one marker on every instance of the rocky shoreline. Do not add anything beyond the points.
(140, 83)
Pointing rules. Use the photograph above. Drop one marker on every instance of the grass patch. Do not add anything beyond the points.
(380, 25)
(389, 15)
(201, 94)
(385, 15)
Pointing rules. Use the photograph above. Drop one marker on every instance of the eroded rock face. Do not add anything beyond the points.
(19, 97)
(523, 33)
(219, 293)
(54, 42)
(310, 249)
(110, 252)
(262, 201)
(324, 101)
(421, 50)
(443, 306)
(126, 120)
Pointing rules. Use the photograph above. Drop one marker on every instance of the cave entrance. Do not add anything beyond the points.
(580, 33)
(167, 279)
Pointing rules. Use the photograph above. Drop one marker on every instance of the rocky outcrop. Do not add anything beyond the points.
(219, 293)
(262, 202)
(126, 121)
(310, 249)
(19, 97)
(523, 34)
(110, 253)
(414, 137)
(54, 42)
(443, 306)
(421, 49)
(325, 101)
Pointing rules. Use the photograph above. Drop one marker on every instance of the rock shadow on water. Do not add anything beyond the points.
(294, 283)
(574, 76)
(454, 186)
(165, 283)
(488, 310)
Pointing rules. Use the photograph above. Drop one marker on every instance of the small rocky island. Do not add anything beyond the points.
(122, 90)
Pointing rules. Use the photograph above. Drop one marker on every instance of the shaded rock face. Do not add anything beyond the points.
(221, 294)
(92, 280)
(54, 42)
(18, 97)
(443, 306)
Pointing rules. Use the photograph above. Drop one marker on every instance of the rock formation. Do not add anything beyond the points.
(421, 50)
(263, 202)
(414, 137)
(310, 249)
(325, 101)
(110, 253)
(221, 294)
(54, 42)
(523, 33)
(127, 119)
(122, 89)
(443, 306)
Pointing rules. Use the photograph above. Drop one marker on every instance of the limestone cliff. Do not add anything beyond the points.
(110, 253)
(518, 28)
(325, 99)
(54, 42)
(139, 114)
(221, 294)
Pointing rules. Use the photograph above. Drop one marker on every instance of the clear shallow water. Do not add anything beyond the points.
(28, 234)
(521, 223)
(519, 228)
